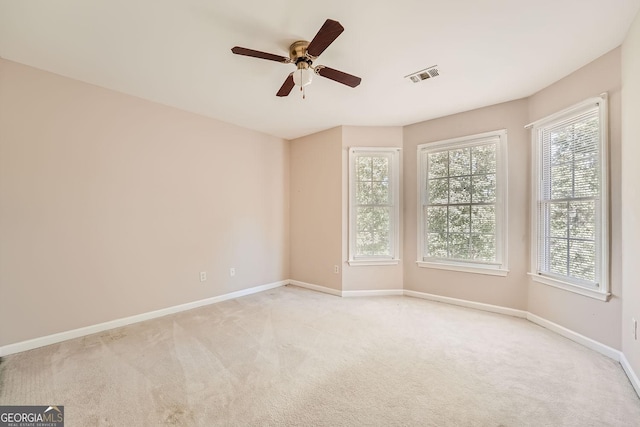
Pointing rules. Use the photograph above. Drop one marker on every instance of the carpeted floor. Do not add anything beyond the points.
(293, 357)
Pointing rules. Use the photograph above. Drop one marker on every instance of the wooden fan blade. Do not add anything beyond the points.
(329, 31)
(257, 54)
(338, 76)
(286, 86)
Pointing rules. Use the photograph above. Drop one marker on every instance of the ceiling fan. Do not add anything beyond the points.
(302, 54)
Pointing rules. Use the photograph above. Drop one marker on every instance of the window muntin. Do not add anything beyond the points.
(374, 204)
(462, 189)
(570, 209)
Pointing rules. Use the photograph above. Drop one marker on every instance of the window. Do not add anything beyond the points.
(569, 205)
(374, 206)
(462, 216)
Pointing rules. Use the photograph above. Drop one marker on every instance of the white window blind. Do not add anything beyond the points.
(570, 217)
(570, 198)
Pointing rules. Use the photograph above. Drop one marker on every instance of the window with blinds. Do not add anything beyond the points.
(570, 203)
(462, 219)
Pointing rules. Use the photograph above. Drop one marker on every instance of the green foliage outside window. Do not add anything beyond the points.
(571, 197)
(460, 210)
(373, 205)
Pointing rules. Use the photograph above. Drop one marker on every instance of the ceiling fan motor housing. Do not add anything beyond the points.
(298, 52)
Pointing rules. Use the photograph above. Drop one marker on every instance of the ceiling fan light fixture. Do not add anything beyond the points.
(303, 75)
(302, 53)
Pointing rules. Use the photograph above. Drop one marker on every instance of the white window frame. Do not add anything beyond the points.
(394, 186)
(602, 230)
(500, 268)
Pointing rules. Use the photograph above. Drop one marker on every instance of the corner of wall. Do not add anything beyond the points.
(630, 200)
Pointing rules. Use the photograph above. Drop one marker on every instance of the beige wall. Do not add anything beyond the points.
(630, 193)
(368, 277)
(316, 210)
(110, 205)
(507, 291)
(596, 319)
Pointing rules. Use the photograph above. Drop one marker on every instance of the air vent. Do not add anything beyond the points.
(425, 74)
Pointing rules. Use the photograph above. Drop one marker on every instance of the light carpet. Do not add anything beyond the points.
(294, 357)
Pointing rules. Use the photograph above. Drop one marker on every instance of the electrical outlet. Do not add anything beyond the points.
(232, 271)
(203, 276)
(336, 269)
(635, 328)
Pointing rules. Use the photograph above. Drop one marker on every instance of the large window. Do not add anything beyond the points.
(374, 206)
(569, 217)
(462, 215)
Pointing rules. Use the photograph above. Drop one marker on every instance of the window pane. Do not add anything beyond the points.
(558, 256)
(558, 222)
(582, 260)
(483, 159)
(363, 168)
(586, 138)
(373, 244)
(561, 147)
(372, 218)
(582, 220)
(484, 188)
(382, 244)
(364, 242)
(483, 247)
(437, 245)
(483, 219)
(364, 193)
(460, 190)
(459, 162)
(380, 193)
(561, 181)
(436, 219)
(438, 164)
(373, 231)
(438, 191)
(459, 219)
(459, 246)
(586, 178)
(380, 168)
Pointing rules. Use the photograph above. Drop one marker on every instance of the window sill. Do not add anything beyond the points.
(602, 296)
(369, 262)
(464, 268)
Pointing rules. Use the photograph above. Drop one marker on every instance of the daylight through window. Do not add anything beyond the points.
(462, 216)
(570, 217)
(374, 204)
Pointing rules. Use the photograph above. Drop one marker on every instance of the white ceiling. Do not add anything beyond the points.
(177, 52)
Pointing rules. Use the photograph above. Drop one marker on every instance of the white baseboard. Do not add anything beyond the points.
(101, 327)
(336, 292)
(469, 304)
(313, 287)
(561, 330)
(633, 378)
(574, 336)
(554, 327)
(373, 293)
